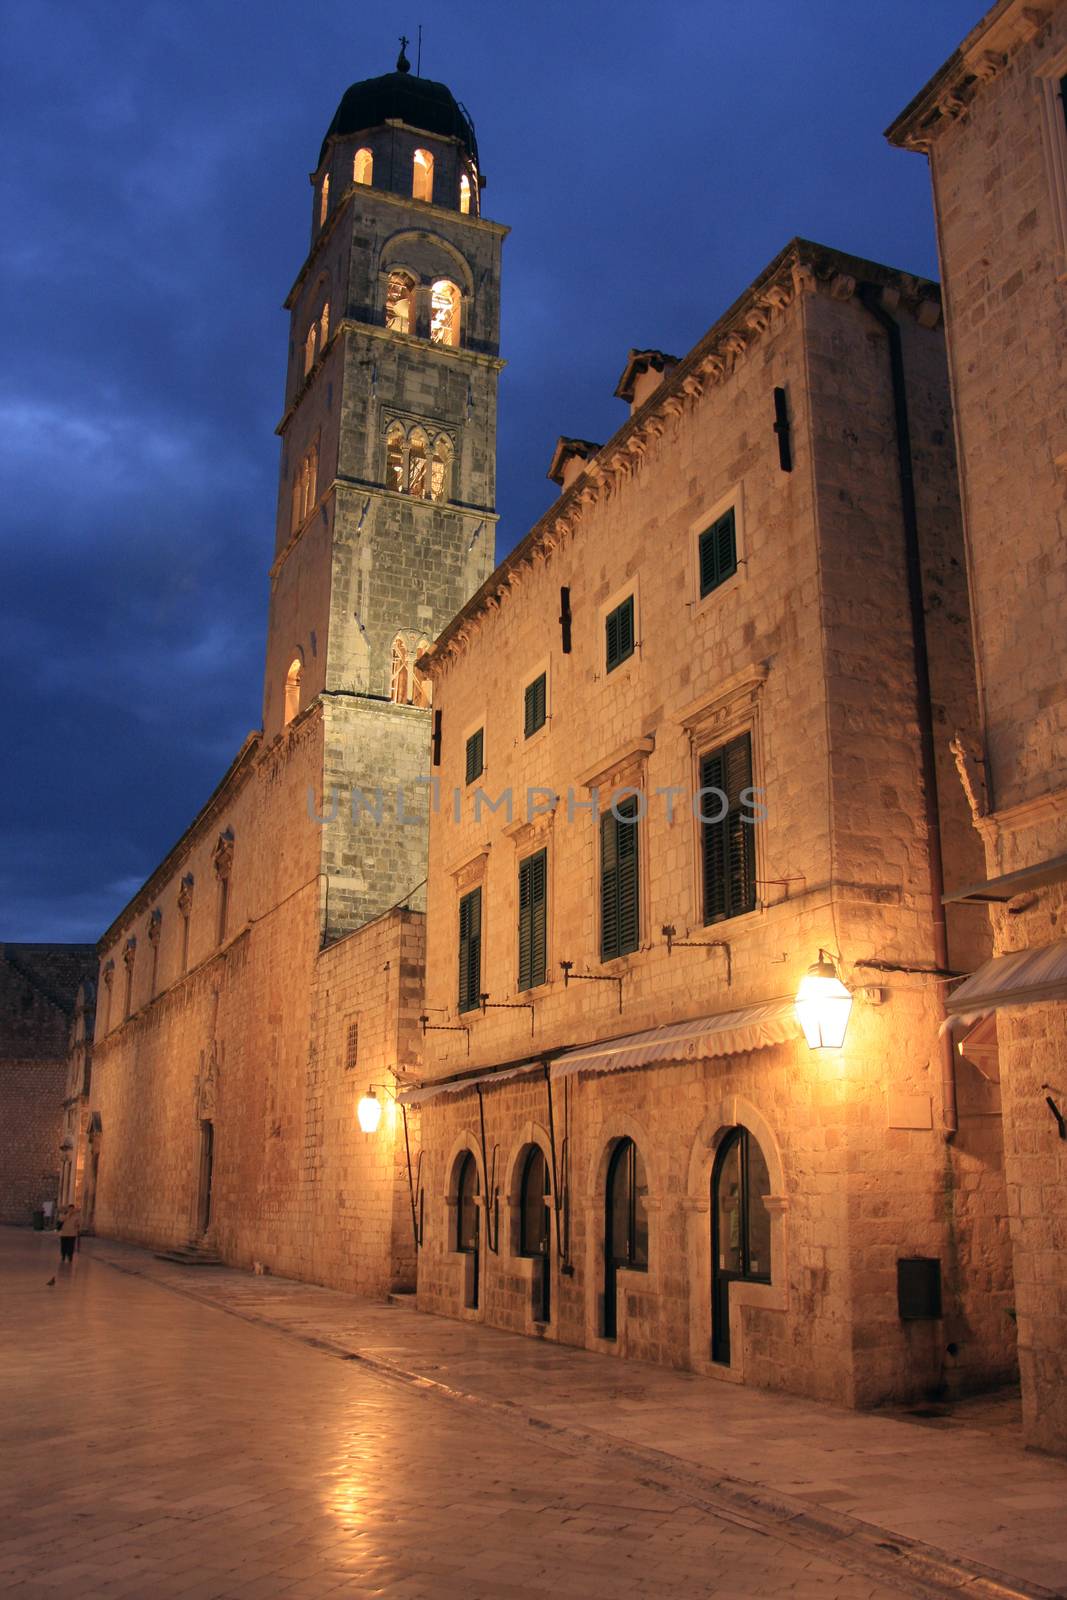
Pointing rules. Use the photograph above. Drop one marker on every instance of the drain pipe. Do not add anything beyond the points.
(871, 297)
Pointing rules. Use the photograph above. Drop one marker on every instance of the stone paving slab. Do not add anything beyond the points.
(964, 1488)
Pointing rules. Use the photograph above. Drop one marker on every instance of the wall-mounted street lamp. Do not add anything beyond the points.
(369, 1111)
(824, 1005)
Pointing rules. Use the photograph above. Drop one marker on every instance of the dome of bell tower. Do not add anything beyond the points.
(399, 97)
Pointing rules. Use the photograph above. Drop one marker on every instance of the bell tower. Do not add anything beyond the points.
(386, 506)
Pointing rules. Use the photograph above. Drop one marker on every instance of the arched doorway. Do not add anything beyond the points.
(740, 1229)
(535, 1238)
(467, 1226)
(625, 1225)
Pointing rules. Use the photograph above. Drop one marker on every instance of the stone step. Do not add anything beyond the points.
(190, 1255)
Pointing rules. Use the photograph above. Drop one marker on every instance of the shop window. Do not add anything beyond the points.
(625, 1225)
(741, 1228)
(468, 1228)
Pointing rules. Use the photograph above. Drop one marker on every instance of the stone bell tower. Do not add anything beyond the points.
(386, 519)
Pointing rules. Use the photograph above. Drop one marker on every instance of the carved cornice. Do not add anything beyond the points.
(981, 57)
(803, 267)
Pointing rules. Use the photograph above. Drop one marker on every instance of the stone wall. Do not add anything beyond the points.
(37, 988)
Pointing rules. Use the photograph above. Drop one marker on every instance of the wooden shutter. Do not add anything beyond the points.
(533, 922)
(729, 846)
(534, 706)
(620, 908)
(619, 634)
(475, 760)
(470, 950)
(718, 552)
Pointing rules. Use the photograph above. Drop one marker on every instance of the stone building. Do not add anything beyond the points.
(77, 1175)
(272, 962)
(38, 983)
(693, 741)
(993, 123)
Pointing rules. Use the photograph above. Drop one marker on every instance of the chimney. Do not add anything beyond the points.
(569, 460)
(645, 370)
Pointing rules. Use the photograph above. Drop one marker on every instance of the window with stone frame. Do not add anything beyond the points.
(422, 175)
(620, 890)
(363, 166)
(470, 951)
(445, 303)
(324, 200)
(417, 465)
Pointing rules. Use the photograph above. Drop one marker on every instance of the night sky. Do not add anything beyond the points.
(650, 160)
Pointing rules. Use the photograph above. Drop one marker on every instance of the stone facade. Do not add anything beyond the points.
(37, 989)
(993, 124)
(807, 649)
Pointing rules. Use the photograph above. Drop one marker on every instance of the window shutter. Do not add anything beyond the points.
(619, 634)
(470, 950)
(535, 701)
(619, 891)
(475, 759)
(436, 751)
(729, 846)
(717, 550)
(533, 886)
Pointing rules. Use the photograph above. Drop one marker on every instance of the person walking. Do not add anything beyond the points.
(69, 1230)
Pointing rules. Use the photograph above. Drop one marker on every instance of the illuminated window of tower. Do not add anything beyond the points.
(324, 200)
(465, 195)
(444, 312)
(439, 465)
(292, 690)
(363, 167)
(398, 302)
(417, 465)
(310, 347)
(422, 176)
(324, 326)
(421, 689)
(394, 459)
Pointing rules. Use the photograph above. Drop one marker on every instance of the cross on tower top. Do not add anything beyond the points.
(402, 62)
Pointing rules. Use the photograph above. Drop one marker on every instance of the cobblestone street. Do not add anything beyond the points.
(156, 1446)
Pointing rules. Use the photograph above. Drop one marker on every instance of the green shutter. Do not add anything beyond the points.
(619, 634)
(620, 907)
(718, 552)
(470, 950)
(475, 755)
(534, 706)
(729, 846)
(533, 921)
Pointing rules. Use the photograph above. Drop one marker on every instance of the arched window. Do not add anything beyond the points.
(422, 176)
(324, 325)
(625, 1224)
(417, 464)
(440, 470)
(312, 478)
(324, 199)
(400, 673)
(304, 488)
(465, 194)
(395, 468)
(363, 167)
(310, 347)
(467, 1224)
(421, 687)
(292, 689)
(444, 312)
(399, 303)
(740, 1227)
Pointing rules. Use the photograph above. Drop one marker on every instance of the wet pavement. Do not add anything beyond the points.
(155, 1445)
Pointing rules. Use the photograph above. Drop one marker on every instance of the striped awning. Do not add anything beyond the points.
(726, 1033)
(1025, 978)
(430, 1091)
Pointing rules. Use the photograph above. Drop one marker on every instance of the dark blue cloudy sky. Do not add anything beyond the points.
(650, 160)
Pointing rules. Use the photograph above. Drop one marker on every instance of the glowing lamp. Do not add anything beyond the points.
(369, 1112)
(823, 1006)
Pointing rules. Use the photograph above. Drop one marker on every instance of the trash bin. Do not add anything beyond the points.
(38, 1221)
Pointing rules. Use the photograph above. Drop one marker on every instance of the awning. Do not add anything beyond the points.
(725, 1034)
(1028, 977)
(430, 1091)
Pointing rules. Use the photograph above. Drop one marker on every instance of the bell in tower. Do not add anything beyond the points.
(386, 516)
